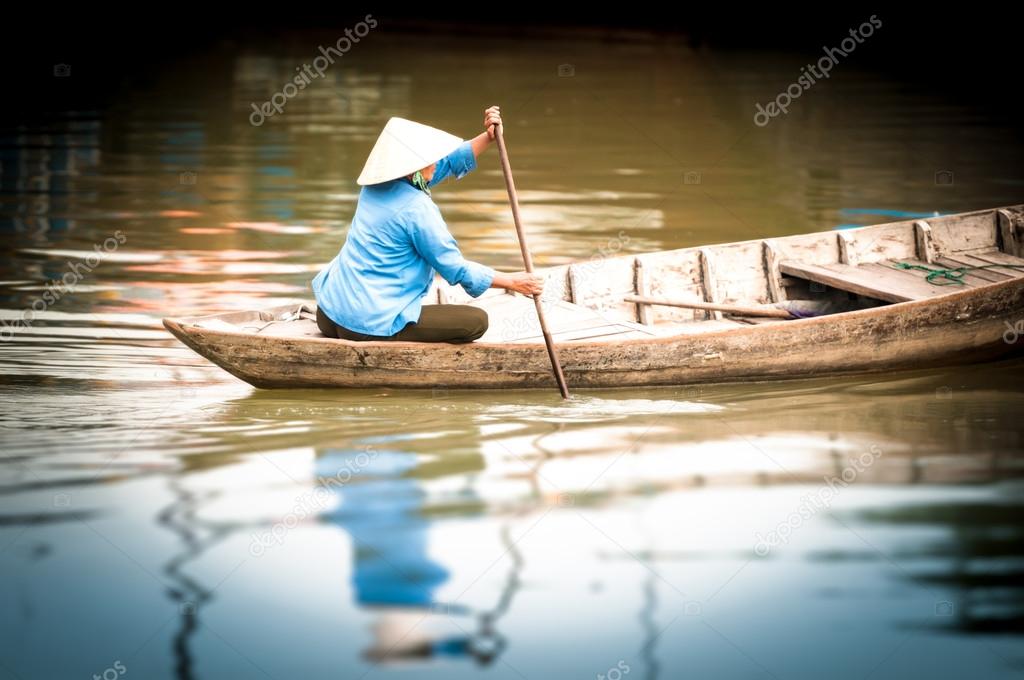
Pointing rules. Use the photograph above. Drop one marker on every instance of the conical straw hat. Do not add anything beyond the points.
(403, 148)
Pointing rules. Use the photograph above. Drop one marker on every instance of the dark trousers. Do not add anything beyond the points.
(438, 323)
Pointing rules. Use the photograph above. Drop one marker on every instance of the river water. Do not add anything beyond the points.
(161, 517)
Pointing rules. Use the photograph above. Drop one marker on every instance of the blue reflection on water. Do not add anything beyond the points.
(382, 510)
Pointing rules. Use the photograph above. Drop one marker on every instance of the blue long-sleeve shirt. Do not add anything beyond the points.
(397, 240)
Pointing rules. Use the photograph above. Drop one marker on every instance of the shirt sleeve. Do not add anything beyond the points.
(430, 236)
(459, 163)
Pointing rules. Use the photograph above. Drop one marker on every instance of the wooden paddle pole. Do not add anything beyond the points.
(513, 199)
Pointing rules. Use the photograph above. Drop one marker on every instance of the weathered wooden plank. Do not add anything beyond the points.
(819, 248)
(847, 248)
(854, 281)
(556, 282)
(870, 279)
(643, 312)
(600, 284)
(963, 260)
(885, 242)
(995, 257)
(670, 274)
(925, 243)
(966, 232)
(739, 273)
(1009, 233)
(980, 277)
(970, 260)
(911, 282)
(708, 280)
(776, 293)
(968, 279)
(573, 284)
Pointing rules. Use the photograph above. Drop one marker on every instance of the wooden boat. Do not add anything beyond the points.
(896, 319)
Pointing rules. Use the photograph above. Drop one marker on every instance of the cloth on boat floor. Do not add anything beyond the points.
(437, 323)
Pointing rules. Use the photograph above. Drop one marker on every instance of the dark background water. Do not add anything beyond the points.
(158, 514)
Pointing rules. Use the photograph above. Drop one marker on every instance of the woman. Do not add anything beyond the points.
(374, 287)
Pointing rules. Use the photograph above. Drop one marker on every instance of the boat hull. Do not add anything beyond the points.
(968, 326)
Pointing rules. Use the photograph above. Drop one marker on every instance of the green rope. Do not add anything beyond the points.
(951, 276)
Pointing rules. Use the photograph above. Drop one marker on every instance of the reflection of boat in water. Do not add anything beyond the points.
(983, 549)
(536, 452)
(188, 593)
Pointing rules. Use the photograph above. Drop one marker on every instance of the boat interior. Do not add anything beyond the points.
(808, 275)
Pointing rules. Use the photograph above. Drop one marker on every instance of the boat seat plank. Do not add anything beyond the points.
(911, 285)
(977, 276)
(971, 279)
(876, 280)
(963, 260)
(996, 257)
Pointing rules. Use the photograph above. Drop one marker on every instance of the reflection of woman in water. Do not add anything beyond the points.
(382, 509)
